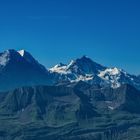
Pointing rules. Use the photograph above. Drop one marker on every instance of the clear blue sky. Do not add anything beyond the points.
(55, 31)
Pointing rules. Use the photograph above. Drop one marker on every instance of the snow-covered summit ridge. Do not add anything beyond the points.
(13, 57)
(84, 69)
(59, 68)
(21, 52)
(30, 59)
(80, 66)
(81, 69)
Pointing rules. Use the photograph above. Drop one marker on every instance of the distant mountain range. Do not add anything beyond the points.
(19, 68)
(82, 100)
(84, 69)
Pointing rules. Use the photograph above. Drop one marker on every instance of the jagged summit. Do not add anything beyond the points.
(85, 69)
(86, 65)
(19, 69)
(26, 55)
(13, 56)
(23, 67)
(81, 65)
(60, 65)
(21, 52)
(84, 58)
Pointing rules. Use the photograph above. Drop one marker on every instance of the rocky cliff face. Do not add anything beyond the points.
(61, 113)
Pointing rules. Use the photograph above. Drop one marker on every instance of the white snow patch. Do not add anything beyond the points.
(111, 108)
(59, 69)
(110, 71)
(132, 79)
(21, 52)
(87, 77)
(4, 58)
(112, 75)
(71, 63)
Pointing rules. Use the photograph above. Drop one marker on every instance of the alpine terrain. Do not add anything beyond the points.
(81, 100)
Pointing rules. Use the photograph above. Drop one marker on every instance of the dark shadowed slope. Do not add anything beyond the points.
(18, 70)
(65, 113)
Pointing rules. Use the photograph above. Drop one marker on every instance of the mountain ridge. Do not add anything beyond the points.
(82, 100)
(20, 68)
(65, 113)
(84, 69)
(17, 70)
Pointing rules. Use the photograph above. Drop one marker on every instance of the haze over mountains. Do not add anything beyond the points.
(82, 100)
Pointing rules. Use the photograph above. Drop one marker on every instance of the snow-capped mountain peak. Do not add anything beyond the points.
(21, 52)
(12, 57)
(14, 62)
(28, 57)
(81, 66)
(86, 65)
(84, 69)
(81, 69)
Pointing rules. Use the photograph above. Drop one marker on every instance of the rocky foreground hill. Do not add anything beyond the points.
(70, 113)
